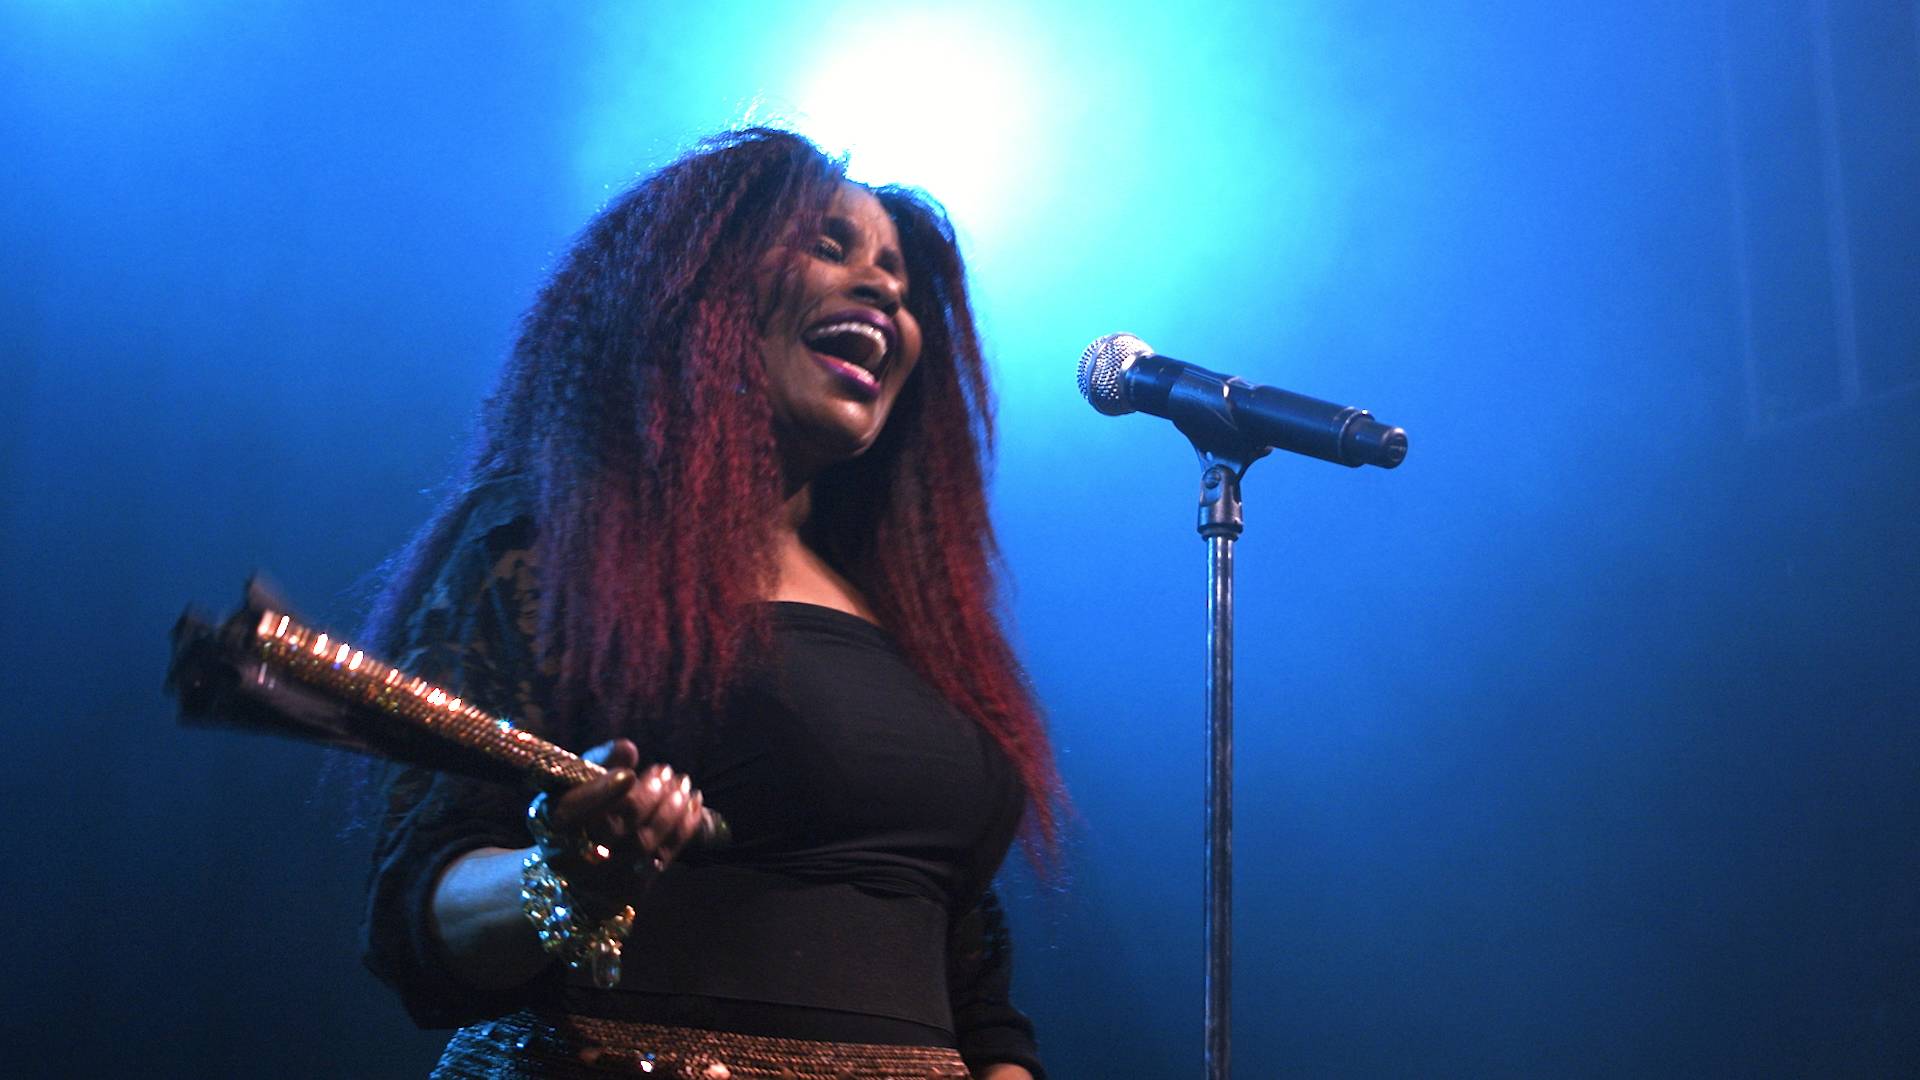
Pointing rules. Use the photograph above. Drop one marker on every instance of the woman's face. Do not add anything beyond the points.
(840, 342)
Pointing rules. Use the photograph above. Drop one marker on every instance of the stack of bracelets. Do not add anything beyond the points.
(586, 944)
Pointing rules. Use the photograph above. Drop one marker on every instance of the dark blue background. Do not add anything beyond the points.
(1582, 745)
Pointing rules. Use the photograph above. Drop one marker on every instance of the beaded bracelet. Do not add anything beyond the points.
(565, 931)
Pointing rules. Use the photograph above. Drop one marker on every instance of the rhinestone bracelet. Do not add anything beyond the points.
(567, 932)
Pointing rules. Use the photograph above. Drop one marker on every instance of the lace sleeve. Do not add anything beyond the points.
(979, 976)
(473, 633)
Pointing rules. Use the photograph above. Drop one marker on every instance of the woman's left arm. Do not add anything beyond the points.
(995, 1038)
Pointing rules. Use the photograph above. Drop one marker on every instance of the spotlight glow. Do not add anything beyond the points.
(937, 99)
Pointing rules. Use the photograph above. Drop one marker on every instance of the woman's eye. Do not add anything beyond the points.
(829, 249)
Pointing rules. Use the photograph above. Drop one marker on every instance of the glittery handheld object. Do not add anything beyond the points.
(264, 670)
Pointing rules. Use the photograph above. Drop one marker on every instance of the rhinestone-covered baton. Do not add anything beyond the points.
(264, 670)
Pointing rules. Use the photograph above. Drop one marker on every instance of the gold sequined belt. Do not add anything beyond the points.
(527, 1044)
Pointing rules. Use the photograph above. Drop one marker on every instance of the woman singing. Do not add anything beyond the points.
(724, 519)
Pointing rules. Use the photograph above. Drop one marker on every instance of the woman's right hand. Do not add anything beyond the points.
(640, 815)
(645, 817)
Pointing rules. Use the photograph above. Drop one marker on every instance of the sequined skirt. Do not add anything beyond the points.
(528, 1045)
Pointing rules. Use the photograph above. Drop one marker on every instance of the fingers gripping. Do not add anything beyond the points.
(641, 818)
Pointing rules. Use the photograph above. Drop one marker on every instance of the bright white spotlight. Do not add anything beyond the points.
(937, 99)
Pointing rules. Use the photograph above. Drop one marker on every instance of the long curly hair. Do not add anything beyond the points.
(635, 403)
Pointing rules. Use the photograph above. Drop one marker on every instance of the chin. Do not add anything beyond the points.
(852, 445)
(824, 442)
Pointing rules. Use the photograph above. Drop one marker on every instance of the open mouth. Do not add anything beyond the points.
(852, 346)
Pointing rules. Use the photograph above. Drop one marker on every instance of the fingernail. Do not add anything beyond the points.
(679, 799)
(653, 782)
(666, 771)
(622, 777)
(686, 785)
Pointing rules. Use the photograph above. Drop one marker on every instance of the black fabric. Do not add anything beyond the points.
(738, 933)
(838, 763)
(753, 1017)
(849, 785)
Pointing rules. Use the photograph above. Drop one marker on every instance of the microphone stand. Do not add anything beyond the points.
(1220, 525)
(1120, 374)
(1224, 461)
(1225, 457)
(1201, 405)
(1204, 415)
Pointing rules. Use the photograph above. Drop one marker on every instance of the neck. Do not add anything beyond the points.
(802, 575)
(794, 512)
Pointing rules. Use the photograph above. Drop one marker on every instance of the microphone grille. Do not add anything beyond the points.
(1102, 366)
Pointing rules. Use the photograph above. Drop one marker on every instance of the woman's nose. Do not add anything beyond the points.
(875, 286)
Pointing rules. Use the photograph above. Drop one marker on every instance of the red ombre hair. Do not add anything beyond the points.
(635, 404)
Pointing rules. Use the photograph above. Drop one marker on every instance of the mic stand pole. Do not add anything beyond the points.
(1205, 417)
(1220, 525)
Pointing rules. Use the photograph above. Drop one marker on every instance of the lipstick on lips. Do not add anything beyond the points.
(862, 382)
(854, 345)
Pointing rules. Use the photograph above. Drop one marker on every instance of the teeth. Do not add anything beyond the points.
(866, 330)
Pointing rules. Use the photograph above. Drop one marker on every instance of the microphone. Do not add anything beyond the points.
(1120, 374)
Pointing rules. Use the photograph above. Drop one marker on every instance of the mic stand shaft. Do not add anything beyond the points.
(1206, 419)
(1220, 525)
